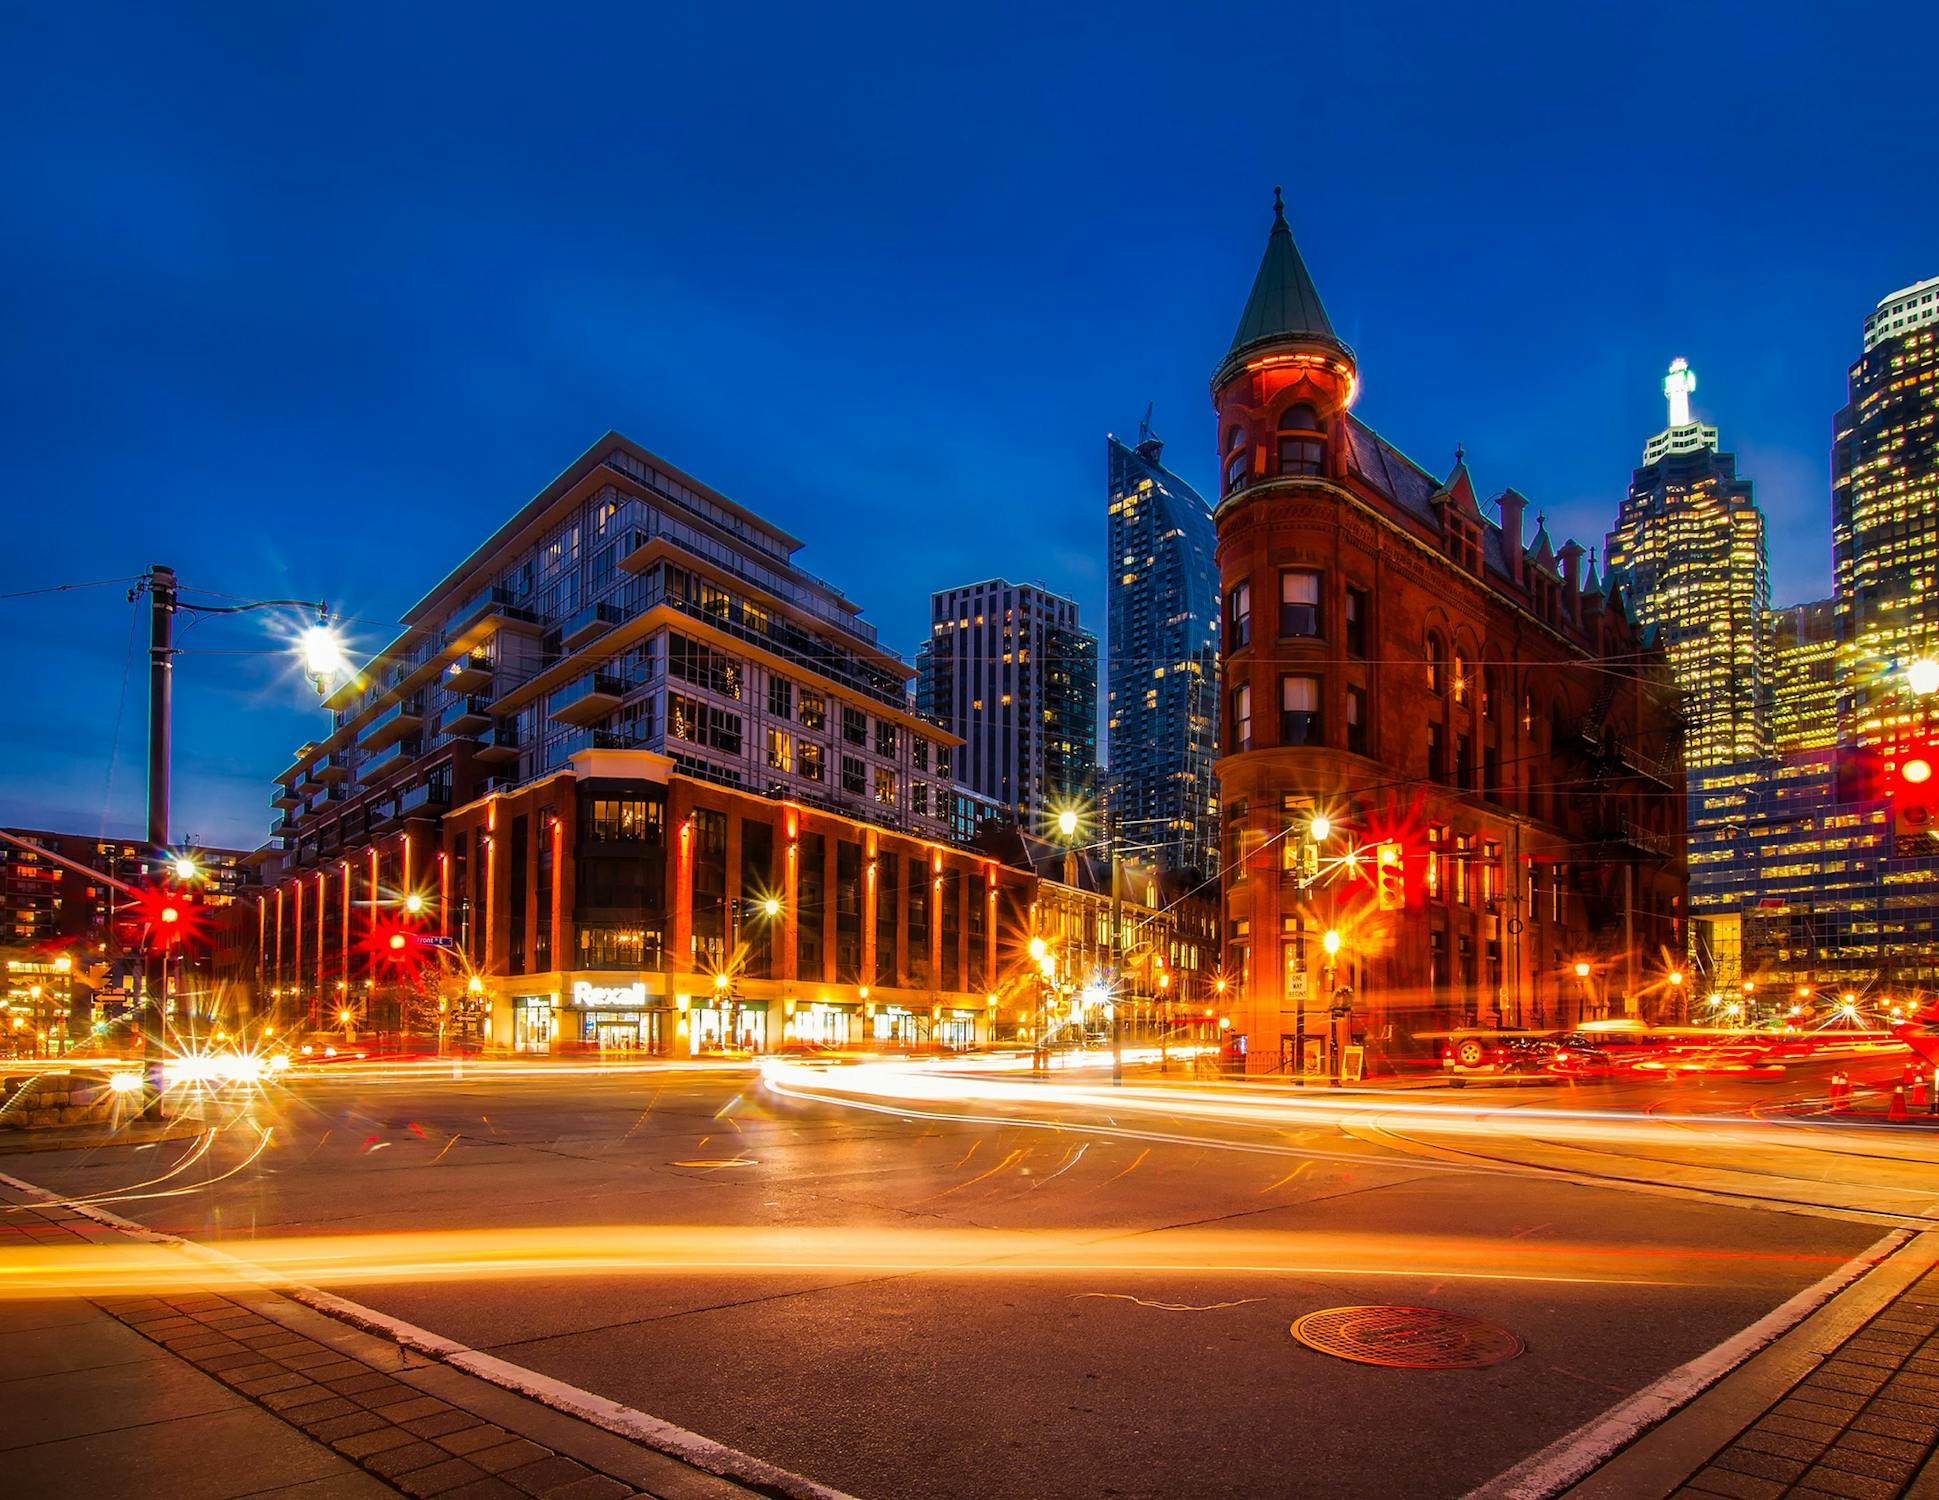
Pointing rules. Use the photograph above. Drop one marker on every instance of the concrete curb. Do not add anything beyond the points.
(1585, 1463)
(650, 1432)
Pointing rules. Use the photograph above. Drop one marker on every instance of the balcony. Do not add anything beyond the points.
(402, 718)
(470, 673)
(490, 609)
(404, 753)
(589, 625)
(1625, 832)
(469, 716)
(588, 700)
(331, 771)
(286, 796)
(427, 800)
(1661, 768)
(499, 746)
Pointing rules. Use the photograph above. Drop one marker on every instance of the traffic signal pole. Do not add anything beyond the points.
(161, 670)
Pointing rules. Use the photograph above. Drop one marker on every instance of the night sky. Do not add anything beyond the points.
(306, 299)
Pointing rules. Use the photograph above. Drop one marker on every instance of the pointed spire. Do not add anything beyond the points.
(1284, 303)
(1592, 585)
(1541, 551)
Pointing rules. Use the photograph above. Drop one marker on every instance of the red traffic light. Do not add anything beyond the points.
(1916, 771)
(1389, 877)
(167, 918)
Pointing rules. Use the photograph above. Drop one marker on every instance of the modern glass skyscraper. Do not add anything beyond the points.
(1690, 539)
(1804, 677)
(1885, 515)
(1163, 666)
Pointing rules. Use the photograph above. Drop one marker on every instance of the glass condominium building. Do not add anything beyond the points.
(626, 606)
(1885, 515)
(1690, 539)
(1163, 657)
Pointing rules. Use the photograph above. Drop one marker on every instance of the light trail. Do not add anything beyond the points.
(711, 1252)
(931, 1090)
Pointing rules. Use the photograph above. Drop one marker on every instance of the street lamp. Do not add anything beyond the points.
(414, 903)
(1320, 827)
(1922, 676)
(322, 655)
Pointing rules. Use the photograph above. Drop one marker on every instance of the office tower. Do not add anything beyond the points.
(1163, 657)
(1009, 671)
(1804, 676)
(1689, 539)
(1885, 517)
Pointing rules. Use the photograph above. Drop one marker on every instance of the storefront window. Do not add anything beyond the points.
(532, 1026)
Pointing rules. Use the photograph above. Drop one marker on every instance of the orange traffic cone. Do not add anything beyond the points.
(1897, 1109)
(1920, 1084)
(1840, 1092)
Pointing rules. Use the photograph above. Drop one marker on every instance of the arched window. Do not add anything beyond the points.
(1237, 465)
(1460, 683)
(1302, 443)
(1436, 653)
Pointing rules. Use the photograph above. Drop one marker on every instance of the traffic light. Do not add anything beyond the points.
(1389, 877)
(1915, 799)
(168, 919)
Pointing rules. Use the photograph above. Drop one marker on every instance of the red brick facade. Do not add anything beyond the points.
(1397, 661)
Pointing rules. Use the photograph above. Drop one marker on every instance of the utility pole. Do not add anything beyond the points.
(161, 669)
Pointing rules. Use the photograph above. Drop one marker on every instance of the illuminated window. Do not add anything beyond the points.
(1299, 603)
(1242, 717)
(1299, 711)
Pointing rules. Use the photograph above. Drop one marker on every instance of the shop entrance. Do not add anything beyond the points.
(957, 1031)
(531, 1024)
(823, 1025)
(727, 1029)
(897, 1027)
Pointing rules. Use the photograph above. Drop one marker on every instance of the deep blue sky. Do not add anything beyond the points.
(306, 299)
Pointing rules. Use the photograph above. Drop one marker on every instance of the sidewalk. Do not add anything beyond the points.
(221, 1395)
(1846, 1407)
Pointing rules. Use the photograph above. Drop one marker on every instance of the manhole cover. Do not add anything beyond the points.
(1408, 1338)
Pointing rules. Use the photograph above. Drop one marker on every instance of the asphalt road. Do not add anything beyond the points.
(1007, 1288)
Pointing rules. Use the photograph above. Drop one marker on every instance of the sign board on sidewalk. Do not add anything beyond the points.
(1353, 1064)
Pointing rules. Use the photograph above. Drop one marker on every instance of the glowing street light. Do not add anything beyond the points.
(1067, 823)
(771, 906)
(323, 656)
(414, 903)
(1331, 942)
(1320, 827)
(1581, 968)
(1922, 676)
(1039, 949)
(1676, 978)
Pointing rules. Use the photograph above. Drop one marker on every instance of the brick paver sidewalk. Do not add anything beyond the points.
(338, 1397)
(1861, 1426)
